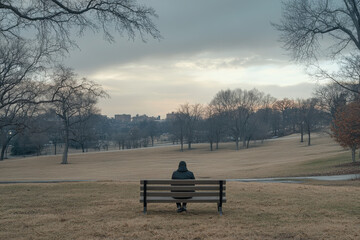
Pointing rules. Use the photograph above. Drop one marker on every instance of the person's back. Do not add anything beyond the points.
(182, 173)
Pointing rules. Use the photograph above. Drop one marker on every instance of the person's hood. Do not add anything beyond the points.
(182, 166)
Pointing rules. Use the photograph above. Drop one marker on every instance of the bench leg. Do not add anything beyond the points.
(145, 208)
(220, 209)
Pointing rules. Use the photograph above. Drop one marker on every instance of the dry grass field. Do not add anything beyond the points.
(111, 210)
(280, 157)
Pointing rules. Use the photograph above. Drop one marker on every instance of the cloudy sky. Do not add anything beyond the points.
(207, 46)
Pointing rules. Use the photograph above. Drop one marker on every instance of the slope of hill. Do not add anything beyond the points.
(279, 157)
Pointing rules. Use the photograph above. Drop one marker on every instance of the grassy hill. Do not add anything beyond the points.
(273, 158)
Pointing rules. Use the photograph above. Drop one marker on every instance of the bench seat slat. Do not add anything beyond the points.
(173, 200)
(197, 188)
(180, 182)
(181, 194)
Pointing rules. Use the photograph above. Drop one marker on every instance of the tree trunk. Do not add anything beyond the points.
(83, 147)
(309, 139)
(182, 144)
(302, 133)
(152, 140)
(211, 145)
(66, 147)
(217, 145)
(65, 153)
(189, 145)
(3, 149)
(353, 152)
(237, 143)
(55, 145)
(248, 143)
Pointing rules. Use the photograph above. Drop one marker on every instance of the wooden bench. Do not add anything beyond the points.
(196, 191)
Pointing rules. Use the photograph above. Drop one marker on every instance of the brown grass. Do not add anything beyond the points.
(282, 157)
(110, 210)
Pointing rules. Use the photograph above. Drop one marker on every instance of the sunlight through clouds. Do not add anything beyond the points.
(142, 87)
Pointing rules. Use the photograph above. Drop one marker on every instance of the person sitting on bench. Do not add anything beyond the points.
(182, 173)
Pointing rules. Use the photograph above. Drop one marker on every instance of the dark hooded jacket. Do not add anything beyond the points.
(182, 172)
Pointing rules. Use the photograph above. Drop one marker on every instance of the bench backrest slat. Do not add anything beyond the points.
(182, 194)
(180, 182)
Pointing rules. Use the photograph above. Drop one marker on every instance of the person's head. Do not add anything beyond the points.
(182, 166)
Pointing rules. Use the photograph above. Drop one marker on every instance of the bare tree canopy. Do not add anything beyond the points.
(309, 27)
(314, 30)
(72, 97)
(51, 22)
(17, 66)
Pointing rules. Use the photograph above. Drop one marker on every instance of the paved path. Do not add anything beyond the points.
(46, 181)
(300, 179)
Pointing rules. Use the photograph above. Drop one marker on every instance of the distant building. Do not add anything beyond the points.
(170, 116)
(140, 118)
(124, 118)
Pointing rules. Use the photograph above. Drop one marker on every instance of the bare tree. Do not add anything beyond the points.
(237, 106)
(178, 128)
(193, 115)
(313, 117)
(324, 29)
(14, 119)
(18, 92)
(18, 65)
(347, 76)
(214, 126)
(309, 26)
(246, 103)
(331, 97)
(186, 120)
(82, 131)
(51, 23)
(225, 104)
(69, 96)
(151, 128)
(285, 107)
(259, 124)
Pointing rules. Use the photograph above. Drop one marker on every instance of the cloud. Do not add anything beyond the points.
(160, 87)
(224, 29)
(208, 45)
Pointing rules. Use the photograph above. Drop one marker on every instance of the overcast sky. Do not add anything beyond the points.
(207, 46)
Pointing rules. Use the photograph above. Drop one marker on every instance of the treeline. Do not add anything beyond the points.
(244, 115)
(232, 115)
